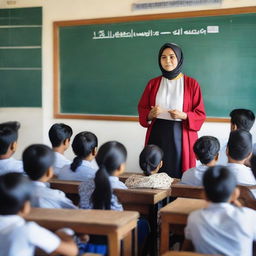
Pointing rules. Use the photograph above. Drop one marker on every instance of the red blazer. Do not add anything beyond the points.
(193, 105)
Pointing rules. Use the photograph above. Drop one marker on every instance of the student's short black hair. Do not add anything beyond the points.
(8, 135)
(58, 133)
(150, 158)
(219, 183)
(37, 159)
(239, 144)
(15, 190)
(206, 148)
(242, 118)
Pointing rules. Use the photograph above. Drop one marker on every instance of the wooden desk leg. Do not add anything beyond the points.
(164, 239)
(153, 227)
(135, 242)
(131, 243)
(128, 244)
(114, 244)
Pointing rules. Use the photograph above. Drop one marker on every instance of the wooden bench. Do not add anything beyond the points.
(174, 218)
(115, 225)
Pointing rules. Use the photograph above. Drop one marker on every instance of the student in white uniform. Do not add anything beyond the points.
(8, 145)
(240, 119)
(239, 150)
(206, 150)
(84, 146)
(222, 228)
(38, 162)
(150, 163)
(97, 193)
(18, 237)
(59, 135)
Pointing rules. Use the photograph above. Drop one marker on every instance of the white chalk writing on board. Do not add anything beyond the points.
(109, 34)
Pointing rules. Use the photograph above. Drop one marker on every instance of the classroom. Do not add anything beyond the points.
(36, 118)
(41, 118)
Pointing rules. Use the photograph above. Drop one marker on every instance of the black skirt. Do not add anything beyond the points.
(167, 134)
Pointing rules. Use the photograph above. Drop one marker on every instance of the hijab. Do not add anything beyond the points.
(178, 52)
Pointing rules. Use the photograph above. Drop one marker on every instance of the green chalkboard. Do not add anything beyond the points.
(103, 66)
(20, 57)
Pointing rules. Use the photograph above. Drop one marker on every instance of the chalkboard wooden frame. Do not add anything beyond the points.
(58, 24)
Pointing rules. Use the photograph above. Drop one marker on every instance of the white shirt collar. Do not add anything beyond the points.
(41, 184)
(219, 205)
(8, 220)
(87, 164)
(6, 160)
(114, 178)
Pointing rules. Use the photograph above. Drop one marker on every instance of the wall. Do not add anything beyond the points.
(38, 121)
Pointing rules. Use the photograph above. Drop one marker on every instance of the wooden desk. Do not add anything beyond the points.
(181, 190)
(174, 218)
(187, 191)
(145, 201)
(115, 225)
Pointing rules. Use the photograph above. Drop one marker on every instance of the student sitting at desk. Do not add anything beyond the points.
(150, 163)
(18, 237)
(97, 193)
(38, 162)
(239, 150)
(84, 146)
(240, 119)
(8, 145)
(222, 228)
(206, 150)
(59, 135)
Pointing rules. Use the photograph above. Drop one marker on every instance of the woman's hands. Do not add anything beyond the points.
(154, 112)
(176, 114)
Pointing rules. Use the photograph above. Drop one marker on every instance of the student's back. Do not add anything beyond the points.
(239, 119)
(38, 160)
(150, 162)
(59, 135)
(222, 228)
(97, 193)
(239, 149)
(206, 150)
(84, 146)
(18, 237)
(8, 144)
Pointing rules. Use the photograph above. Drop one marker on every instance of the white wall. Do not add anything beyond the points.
(37, 121)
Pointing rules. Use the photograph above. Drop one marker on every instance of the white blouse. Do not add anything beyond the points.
(170, 96)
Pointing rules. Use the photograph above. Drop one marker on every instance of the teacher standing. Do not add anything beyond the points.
(172, 109)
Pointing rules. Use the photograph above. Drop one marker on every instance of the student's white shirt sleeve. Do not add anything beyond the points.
(42, 238)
